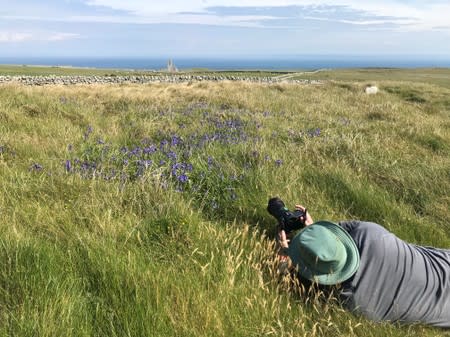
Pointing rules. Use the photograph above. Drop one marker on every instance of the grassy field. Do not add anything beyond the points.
(73, 71)
(141, 210)
(26, 70)
(438, 76)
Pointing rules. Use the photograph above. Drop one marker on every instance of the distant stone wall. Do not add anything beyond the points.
(71, 80)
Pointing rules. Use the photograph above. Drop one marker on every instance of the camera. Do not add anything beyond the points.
(287, 220)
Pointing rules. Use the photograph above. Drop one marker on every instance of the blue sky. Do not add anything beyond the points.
(219, 28)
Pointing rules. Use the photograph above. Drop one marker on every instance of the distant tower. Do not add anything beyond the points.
(171, 68)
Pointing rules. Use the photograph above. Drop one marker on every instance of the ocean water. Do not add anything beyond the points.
(281, 63)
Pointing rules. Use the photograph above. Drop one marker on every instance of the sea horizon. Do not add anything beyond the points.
(309, 62)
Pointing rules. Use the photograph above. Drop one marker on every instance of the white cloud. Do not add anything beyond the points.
(424, 15)
(62, 36)
(14, 37)
(365, 22)
(8, 36)
(395, 14)
(241, 20)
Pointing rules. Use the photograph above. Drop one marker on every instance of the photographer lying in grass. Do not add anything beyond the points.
(380, 276)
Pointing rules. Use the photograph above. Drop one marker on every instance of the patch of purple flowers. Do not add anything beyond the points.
(180, 160)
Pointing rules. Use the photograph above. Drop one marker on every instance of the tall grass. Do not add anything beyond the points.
(103, 235)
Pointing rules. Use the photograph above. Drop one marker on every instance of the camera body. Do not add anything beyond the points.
(287, 220)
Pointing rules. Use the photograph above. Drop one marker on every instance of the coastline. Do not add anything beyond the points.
(291, 64)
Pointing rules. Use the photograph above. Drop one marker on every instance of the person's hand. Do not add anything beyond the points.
(308, 221)
(282, 239)
(283, 242)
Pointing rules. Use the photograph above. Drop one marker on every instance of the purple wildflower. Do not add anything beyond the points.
(317, 132)
(85, 166)
(88, 132)
(183, 178)
(68, 166)
(135, 152)
(278, 162)
(175, 168)
(314, 132)
(175, 140)
(149, 149)
(163, 144)
(172, 155)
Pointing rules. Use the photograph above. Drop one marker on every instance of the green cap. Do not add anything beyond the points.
(324, 253)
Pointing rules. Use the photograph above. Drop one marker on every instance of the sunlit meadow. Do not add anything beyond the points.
(132, 210)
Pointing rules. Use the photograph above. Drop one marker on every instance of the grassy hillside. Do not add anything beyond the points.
(140, 210)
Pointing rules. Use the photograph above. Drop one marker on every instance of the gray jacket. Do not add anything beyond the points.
(397, 281)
